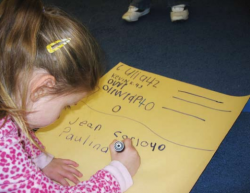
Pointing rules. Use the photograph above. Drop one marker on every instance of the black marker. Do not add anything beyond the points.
(119, 146)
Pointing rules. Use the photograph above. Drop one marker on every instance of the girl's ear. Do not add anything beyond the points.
(42, 86)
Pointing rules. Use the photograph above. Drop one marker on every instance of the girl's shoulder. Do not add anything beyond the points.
(7, 127)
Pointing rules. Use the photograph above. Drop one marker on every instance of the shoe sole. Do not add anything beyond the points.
(177, 16)
(131, 20)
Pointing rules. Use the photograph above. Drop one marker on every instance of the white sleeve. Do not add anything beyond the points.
(43, 160)
(120, 172)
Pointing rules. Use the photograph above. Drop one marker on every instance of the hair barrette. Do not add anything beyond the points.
(54, 46)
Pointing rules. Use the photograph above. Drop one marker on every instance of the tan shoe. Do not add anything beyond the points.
(180, 15)
(133, 14)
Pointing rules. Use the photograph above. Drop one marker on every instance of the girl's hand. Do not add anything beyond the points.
(59, 169)
(129, 157)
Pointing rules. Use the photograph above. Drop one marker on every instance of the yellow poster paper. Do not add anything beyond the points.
(176, 128)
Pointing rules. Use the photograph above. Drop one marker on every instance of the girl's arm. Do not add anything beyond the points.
(56, 169)
(18, 172)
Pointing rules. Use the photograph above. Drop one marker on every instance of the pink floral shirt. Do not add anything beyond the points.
(19, 173)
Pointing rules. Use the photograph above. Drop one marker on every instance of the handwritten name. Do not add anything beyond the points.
(130, 98)
(138, 76)
(139, 142)
(86, 123)
(83, 140)
(126, 81)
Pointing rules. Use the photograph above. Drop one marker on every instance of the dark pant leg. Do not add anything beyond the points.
(141, 4)
(172, 3)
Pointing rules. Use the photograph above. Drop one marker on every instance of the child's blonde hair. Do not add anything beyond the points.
(26, 29)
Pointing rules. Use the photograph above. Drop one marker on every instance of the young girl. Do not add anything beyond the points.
(48, 61)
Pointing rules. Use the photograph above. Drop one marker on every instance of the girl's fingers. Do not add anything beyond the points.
(73, 179)
(73, 171)
(127, 142)
(70, 162)
(69, 176)
(61, 180)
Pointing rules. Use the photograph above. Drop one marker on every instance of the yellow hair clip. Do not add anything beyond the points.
(57, 45)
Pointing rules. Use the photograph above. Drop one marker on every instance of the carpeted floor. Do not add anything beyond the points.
(211, 50)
